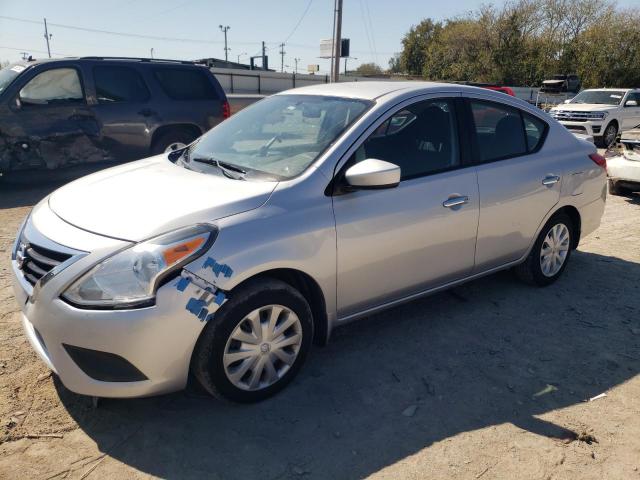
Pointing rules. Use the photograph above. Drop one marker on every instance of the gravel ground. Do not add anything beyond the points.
(489, 380)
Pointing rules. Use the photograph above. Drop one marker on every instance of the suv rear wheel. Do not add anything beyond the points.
(256, 343)
(172, 140)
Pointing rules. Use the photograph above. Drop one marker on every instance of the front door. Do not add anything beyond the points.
(396, 242)
(519, 181)
(52, 125)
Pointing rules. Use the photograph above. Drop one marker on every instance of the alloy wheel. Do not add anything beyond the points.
(174, 146)
(262, 347)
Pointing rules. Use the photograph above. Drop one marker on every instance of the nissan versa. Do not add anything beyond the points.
(309, 209)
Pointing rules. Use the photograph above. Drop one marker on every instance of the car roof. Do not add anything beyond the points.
(141, 60)
(371, 90)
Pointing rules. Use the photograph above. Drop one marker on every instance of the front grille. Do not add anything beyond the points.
(573, 116)
(35, 262)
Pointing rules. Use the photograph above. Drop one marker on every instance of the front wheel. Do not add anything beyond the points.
(256, 343)
(550, 254)
(608, 137)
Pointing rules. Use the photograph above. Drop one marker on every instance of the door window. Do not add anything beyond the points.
(633, 96)
(55, 86)
(499, 131)
(185, 84)
(421, 139)
(119, 84)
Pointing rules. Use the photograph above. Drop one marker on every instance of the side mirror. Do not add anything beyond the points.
(15, 104)
(373, 174)
(631, 103)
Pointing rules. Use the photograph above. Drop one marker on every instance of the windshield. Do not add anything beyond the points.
(7, 75)
(601, 97)
(279, 136)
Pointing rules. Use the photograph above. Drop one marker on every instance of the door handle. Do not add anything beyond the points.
(550, 180)
(455, 201)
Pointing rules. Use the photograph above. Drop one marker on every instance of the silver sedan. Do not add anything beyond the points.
(309, 209)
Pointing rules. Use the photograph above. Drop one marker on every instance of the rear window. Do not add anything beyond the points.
(119, 84)
(498, 130)
(185, 84)
(534, 129)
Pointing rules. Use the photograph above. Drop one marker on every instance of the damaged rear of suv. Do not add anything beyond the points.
(64, 112)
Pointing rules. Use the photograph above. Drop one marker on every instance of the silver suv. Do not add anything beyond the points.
(307, 210)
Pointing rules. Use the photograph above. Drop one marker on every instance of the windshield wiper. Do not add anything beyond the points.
(228, 169)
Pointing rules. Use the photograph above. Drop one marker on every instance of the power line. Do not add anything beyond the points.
(304, 14)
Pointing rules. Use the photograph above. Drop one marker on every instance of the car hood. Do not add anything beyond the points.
(585, 107)
(152, 196)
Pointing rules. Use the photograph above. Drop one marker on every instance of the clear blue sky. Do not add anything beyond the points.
(375, 27)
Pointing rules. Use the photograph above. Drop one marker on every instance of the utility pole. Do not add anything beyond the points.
(282, 52)
(226, 49)
(152, 53)
(296, 68)
(47, 37)
(264, 56)
(337, 40)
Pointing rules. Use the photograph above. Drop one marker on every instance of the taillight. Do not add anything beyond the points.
(226, 109)
(599, 160)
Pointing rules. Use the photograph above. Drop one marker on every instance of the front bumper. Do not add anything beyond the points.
(158, 340)
(594, 128)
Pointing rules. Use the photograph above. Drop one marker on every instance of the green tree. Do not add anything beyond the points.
(368, 69)
(415, 44)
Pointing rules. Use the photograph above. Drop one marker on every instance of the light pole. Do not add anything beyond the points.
(296, 68)
(152, 53)
(243, 53)
(226, 49)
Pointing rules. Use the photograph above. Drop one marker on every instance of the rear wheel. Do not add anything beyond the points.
(256, 343)
(615, 189)
(172, 140)
(550, 254)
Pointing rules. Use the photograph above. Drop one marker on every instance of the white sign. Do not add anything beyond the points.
(326, 48)
(313, 68)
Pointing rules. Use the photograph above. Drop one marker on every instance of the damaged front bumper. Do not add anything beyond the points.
(113, 353)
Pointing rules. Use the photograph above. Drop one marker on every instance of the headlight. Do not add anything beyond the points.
(598, 115)
(16, 243)
(131, 277)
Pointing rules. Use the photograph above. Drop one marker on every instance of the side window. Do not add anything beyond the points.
(498, 130)
(534, 129)
(55, 86)
(420, 139)
(119, 84)
(634, 96)
(185, 84)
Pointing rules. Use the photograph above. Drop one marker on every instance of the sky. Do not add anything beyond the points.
(189, 29)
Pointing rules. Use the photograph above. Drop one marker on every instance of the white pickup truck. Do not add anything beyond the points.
(602, 113)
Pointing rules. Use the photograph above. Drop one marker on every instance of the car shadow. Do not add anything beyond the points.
(489, 352)
(25, 189)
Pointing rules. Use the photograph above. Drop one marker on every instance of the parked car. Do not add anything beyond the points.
(623, 164)
(601, 112)
(491, 86)
(56, 113)
(302, 212)
(561, 84)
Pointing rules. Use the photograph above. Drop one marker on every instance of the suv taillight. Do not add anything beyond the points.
(599, 160)
(226, 109)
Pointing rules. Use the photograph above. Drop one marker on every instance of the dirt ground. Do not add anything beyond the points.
(489, 380)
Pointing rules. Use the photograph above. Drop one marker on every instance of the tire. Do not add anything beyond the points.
(531, 270)
(614, 189)
(178, 136)
(608, 137)
(208, 362)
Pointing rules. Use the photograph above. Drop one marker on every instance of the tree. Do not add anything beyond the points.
(415, 44)
(368, 69)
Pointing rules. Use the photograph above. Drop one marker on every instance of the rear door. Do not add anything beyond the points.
(52, 124)
(121, 102)
(399, 241)
(519, 181)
